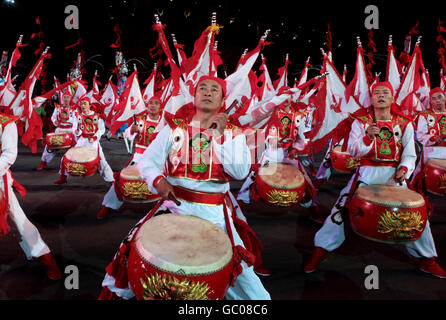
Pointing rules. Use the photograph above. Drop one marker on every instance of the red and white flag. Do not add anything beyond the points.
(22, 105)
(331, 106)
(358, 87)
(132, 103)
(149, 90)
(392, 71)
(282, 81)
(406, 96)
(109, 99)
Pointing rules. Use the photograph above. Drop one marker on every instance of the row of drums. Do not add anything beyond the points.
(188, 258)
(84, 162)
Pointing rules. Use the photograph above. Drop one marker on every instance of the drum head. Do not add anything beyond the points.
(437, 163)
(193, 245)
(281, 176)
(81, 154)
(390, 196)
(131, 173)
(338, 149)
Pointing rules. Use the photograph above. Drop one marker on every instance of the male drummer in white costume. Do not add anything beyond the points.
(64, 119)
(31, 241)
(90, 129)
(363, 144)
(142, 130)
(431, 127)
(191, 179)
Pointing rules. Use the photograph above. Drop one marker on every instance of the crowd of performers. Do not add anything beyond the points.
(192, 141)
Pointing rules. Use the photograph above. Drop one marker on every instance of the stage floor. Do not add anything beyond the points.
(66, 218)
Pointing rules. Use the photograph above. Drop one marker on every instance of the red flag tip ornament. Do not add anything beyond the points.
(390, 39)
(358, 41)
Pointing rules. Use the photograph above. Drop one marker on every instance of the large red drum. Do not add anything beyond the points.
(59, 140)
(133, 188)
(81, 161)
(435, 176)
(342, 161)
(388, 214)
(180, 257)
(280, 184)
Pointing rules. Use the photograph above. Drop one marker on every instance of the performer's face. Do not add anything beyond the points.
(209, 96)
(438, 101)
(66, 100)
(154, 107)
(382, 97)
(85, 106)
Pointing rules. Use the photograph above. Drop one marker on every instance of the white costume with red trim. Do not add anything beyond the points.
(331, 235)
(32, 243)
(64, 119)
(92, 126)
(229, 159)
(146, 127)
(431, 124)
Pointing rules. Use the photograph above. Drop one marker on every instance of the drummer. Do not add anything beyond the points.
(198, 183)
(90, 129)
(382, 162)
(64, 119)
(284, 142)
(142, 130)
(431, 127)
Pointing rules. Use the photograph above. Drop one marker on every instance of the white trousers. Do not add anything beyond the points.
(31, 241)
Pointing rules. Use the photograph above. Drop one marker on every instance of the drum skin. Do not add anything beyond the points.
(133, 188)
(150, 282)
(394, 222)
(74, 166)
(343, 161)
(435, 176)
(60, 140)
(282, 195)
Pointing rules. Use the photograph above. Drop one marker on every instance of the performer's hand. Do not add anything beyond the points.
(164, 188)
(372, 131)
(220, 120)
(77, 132)
(134, 128)
(400, 174)
(292, 154)
(91, 140)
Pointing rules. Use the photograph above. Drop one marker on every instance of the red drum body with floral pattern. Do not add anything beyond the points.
(435, 176)
(133, 188)
(59, 140)
(388, 214)
(81, 161)
(179, 257)
(280, 184)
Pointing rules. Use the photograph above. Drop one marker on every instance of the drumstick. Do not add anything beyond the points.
(172, 197)
(134, 118)
(233, 104)
(374, 120)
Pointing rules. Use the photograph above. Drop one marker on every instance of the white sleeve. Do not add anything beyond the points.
(54, 116)
(101, 129)
(234, 155)
(128, 135)
(408, 156)
(299, 142)
(356, 145)
(9, 148)
(153, 160)
(423, 132)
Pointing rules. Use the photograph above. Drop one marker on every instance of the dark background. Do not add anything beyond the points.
(297, 27)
